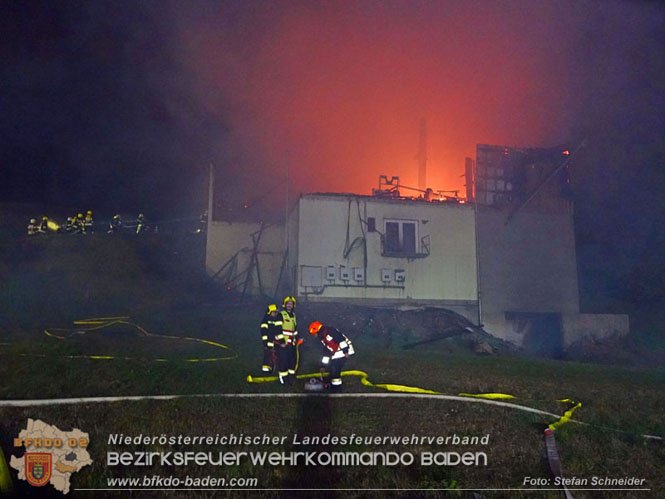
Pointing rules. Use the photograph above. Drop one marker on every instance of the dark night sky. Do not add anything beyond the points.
(120, 106)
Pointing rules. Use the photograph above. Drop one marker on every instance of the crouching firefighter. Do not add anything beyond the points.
(115, 224)
(286, 343)
(32, 227)
(336, 349)
(271, 326)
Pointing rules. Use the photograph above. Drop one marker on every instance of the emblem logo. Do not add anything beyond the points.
(37, 468)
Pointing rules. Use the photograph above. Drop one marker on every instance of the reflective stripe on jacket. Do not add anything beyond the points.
(336, 345)
(270, 328)
(289, 334)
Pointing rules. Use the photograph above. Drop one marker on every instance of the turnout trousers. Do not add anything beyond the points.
(286, 362)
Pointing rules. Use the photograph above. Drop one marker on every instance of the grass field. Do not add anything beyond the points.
(43, 290)
(618, 398)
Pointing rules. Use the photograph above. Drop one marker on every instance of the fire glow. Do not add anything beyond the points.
(335, 95)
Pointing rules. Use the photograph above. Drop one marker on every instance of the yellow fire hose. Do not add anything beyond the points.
(412, 389)
(99, 323)
(566, 417)
(550, 443)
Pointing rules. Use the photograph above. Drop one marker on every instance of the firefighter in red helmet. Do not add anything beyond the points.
(287, 341)
(336, 349)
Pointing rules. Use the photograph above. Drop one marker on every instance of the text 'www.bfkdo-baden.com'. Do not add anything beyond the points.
(168, 482)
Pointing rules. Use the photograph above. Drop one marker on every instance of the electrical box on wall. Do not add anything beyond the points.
(400, 275)
(331, 272)
(386, 275)
(358, 274)
(344, 274)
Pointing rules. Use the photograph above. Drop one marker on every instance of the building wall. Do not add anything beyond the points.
(527, 267)
(231, 244)
(333, 232)
(596, 326)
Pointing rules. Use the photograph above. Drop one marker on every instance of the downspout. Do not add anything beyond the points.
(475, 232)
(365, 241)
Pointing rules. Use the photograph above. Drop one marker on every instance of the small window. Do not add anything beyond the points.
(409, 237)
(371, 224)
(392, 237)
(400, 238)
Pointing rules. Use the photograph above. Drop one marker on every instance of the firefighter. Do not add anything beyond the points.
(79, 223)
(87, 223)
(32, 227)
(74, 225)
(115, 224)
(141, 224)
(69, 226)
(43, 226)
(287, 340)
(271, 326)
(336, 349)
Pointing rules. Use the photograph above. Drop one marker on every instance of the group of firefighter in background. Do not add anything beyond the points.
(141, 225)
(84, 225)
(279, 335)
(75, 225)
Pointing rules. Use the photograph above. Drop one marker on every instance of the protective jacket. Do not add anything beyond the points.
(335, 344)
(79, 224)
(88, 222)
(287, 355)
(270, 328)
(289, 334)
(115, 224)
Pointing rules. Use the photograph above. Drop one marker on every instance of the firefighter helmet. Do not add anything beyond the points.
(289, 298)
(315, 327)
(89, 212)
(44, 217)
(33, 221)
(80, 215)
(272, 308)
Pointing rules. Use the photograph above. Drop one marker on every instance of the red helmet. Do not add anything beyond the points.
(315, 327)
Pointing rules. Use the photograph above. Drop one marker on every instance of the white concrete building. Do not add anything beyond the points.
(375, 250)
(506, 261)
(364, 249)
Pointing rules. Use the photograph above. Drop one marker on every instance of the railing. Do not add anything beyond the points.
(423, 253)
